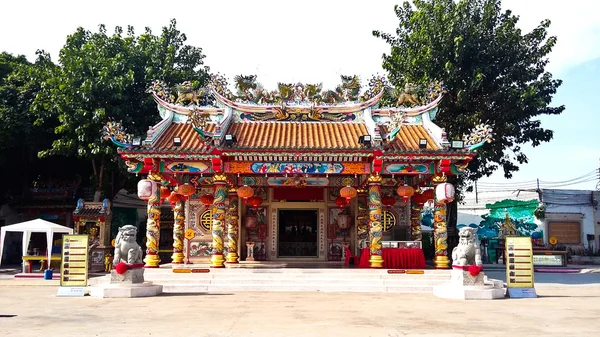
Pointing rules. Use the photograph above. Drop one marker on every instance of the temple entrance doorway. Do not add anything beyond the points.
(297, 233)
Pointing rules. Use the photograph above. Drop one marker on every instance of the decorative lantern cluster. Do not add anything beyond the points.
(186, 189)
(388, 201)
(348, 193)
(423, 197)
(255, 201)
(165, 192)
(341, 201)
(207, 199)
(444, 193)
(405, 192)
(174, 198)
(245, 192)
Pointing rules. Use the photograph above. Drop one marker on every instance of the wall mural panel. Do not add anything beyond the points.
(188, 167)
(409, 168)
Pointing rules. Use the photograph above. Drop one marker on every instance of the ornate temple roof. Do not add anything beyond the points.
(296, 117)
(407, 139)
(298, 135)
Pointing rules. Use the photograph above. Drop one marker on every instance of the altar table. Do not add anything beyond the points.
(42, 258)
(396, 258)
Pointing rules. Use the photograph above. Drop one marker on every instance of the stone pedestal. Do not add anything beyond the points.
(126, 290)
(464, 278)
(464, 286)
(129, 284)
(250, 251)
(132, 276)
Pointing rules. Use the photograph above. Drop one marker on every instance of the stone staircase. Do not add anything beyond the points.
(291, 280)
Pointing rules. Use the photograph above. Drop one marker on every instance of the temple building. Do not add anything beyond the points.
(296, 174)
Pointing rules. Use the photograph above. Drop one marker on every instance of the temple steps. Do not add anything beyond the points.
(291, 280)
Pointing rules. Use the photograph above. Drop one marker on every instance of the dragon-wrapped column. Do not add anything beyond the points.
(232, 227)
(415, 221)
(219, 210)
(375, 227)
(178, 226)
(362, 227)
(440, 230)
(153, 227)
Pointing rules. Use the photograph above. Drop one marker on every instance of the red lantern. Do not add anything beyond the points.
(429, 194)
(165, 192)
(146, 188)
(174, 197)
(348, 192)
(245, 192)
(186, 189)
(207, 199)
(423, 197)
(388, 200)
(405, 192)
(255, 201)
(341, 201)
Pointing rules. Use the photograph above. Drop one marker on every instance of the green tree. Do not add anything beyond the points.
(19, 138)
(101, 77)
(492, 73)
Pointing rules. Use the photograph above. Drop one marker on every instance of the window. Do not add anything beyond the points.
(206, 220)
(565, 232)
(388, 220)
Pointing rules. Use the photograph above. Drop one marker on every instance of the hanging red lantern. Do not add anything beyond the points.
(405, 192)
(165, 192)
(428, 194)
(146, 188)
(255, 201)
(341, 201)
(207, 199)
(245, 192)
(174, 197)
(348, 192)
(388, 200)
(418, 199)
(186, 189)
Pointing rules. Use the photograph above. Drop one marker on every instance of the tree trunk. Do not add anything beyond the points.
(99, 173)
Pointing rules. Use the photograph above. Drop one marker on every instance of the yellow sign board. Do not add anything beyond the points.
(74, 263)
(519, 262)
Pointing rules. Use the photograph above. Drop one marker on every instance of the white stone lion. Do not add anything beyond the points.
(467, 252)
(126, 248)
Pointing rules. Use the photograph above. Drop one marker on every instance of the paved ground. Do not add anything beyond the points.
(559, 311)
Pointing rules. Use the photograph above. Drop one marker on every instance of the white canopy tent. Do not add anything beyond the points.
(33, 226)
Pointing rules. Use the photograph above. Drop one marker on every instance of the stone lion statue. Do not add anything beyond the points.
(126, 248)
(467, 252)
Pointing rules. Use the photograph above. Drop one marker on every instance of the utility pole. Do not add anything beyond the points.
(538, 190)
(476, 199)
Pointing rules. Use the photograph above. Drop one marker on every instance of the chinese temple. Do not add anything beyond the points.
(295, 174)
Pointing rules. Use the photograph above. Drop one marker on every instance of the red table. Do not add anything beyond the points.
(396, 258)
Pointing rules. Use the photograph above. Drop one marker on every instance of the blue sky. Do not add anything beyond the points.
(316, 41)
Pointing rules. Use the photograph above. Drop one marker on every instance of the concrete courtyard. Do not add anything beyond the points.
(34, 310)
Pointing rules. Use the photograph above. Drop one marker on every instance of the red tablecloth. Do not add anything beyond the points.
(396, 258)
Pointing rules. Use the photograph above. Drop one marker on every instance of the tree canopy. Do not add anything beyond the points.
(492, 72)
(101, 77)
(19, 138)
